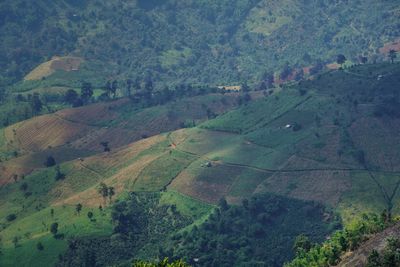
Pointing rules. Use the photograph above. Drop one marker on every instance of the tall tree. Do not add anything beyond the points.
(341, 59)
(111, 193)
(36, 103)
(78, 208)
(392, 55)
(54, 228)
(129, 84)
(103, 191)
(50, 161)
(71, 96)
(86, 91)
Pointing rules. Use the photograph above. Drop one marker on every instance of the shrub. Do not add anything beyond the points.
(11, 217)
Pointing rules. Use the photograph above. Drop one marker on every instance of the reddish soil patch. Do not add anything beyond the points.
(43, 132)
(66, 63)
(390, 46)
(322, 186)
(92, 114)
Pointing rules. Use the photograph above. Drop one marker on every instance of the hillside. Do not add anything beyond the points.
(74, 133)
(212, 42)
(377, 242)
(325, 148)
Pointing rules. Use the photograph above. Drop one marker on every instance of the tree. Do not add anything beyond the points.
(363, 59)
(23, 187)
(286, 72)
(39, 246)
(59, 174)
(106, 148)
(36, 103)
(302, 244)
(50, 161)
(245, 87)
(78, 208)
(52, 213)
(392, 55)
(15, 241)
(90, 215)
(11, 217)
(299, 75)
(71, 97)
(86, 91)
(129, 84)
(374, 259)
(111, 193)
(268, 79)
(112, 87)
(341, 59)
(54, 228)
(223, 204)
(103, 191)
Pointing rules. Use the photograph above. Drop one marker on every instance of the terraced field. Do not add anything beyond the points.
(76, 133)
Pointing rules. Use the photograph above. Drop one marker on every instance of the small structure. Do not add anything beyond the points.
(208, 164)
(288, 126)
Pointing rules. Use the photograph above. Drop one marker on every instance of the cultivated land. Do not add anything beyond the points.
(327, 140)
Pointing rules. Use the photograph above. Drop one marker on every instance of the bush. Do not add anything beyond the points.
(11, 217)
(39, 246)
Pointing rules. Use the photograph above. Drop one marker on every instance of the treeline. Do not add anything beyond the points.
(329, 253)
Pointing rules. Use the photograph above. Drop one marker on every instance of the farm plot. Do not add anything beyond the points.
(158, 174)
(208, 184)
(44, 132)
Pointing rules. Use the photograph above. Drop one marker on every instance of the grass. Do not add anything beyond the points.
(159, 173)
(185, 204)
(173, 58)
(35, 228)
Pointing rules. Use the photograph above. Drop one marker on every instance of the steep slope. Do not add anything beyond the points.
(377, 242)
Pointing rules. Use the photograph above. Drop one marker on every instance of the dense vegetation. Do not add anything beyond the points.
(390, 257)
(197, 41)
(260, 231)
(330, 252)
(141, 226)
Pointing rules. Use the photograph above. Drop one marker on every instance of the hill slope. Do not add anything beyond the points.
(332, 140)
(198, 42)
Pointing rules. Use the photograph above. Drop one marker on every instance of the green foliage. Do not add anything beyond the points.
(329, 252)
(141, 226)
(50, 161)
(224, 36)
(260, 232)
(389, 257)
(11, 217)
(163, 263)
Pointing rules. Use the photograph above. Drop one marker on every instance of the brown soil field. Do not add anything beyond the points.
(56, 63)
